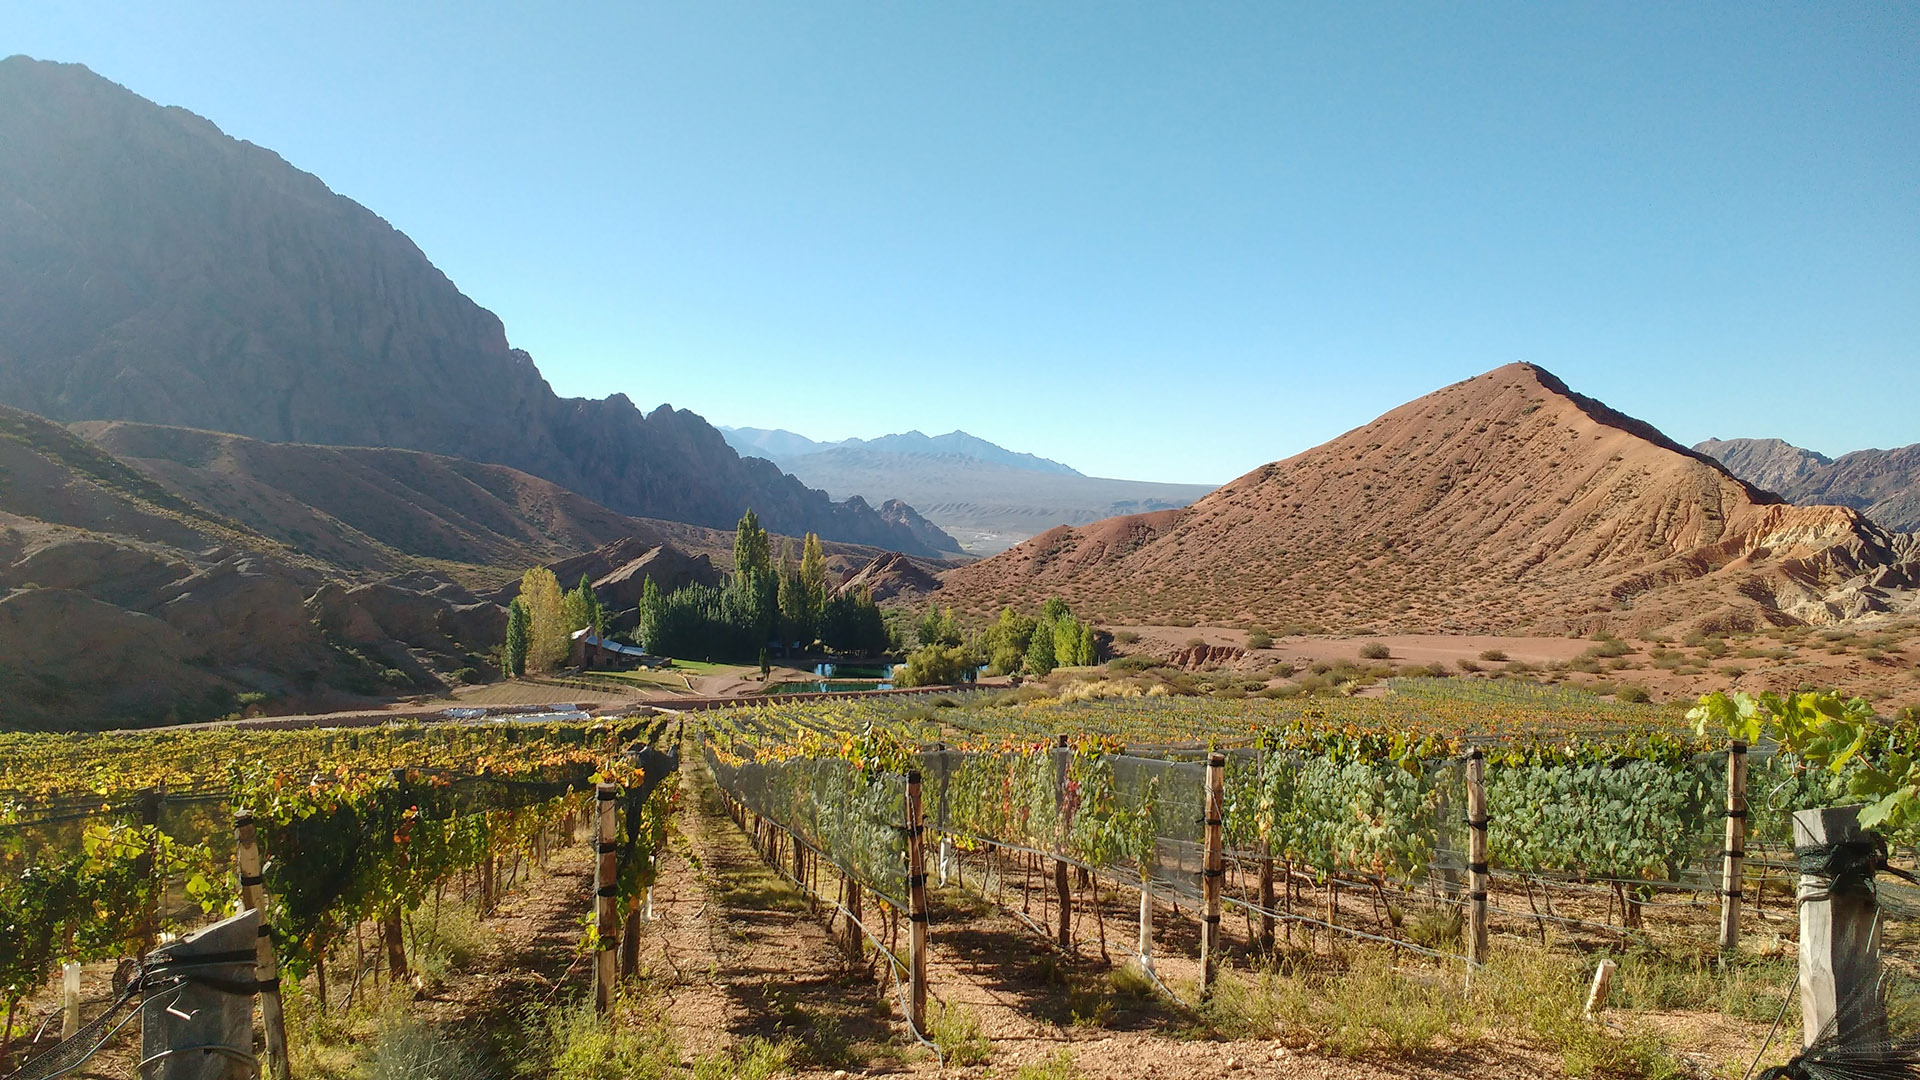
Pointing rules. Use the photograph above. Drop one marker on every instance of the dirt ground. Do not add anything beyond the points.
(1887, 674)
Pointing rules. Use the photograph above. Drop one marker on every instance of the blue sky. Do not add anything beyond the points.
(1159, 241)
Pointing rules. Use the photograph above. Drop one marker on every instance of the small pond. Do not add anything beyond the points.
(828, 686)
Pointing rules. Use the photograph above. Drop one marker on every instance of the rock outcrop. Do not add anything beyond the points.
(893, 576)
(1882, 484)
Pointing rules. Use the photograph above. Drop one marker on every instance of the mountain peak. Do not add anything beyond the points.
(1500, 503)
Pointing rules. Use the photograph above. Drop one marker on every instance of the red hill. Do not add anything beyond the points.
(1503, 503)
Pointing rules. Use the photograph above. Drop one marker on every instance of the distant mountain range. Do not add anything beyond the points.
(779, 445)
(153, 269)
(1882, 484)
(1505, 503)
(987, 496)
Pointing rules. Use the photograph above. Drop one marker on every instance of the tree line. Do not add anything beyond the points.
(1013, 644)
(790, 604)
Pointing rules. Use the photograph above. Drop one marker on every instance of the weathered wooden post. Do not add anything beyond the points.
(1839, 924)
(253, 897)
(1215, 868)
(391, 927)
(852, 944)
(196, 1016)
(1476, 857)
(1736, 846)
(916, 906)
(606, 889)
(1602, 984)
(1062, 756)
(1266, 899)
(148, 802)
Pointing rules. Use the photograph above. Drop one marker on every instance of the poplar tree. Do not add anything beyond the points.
(519, 628)
(813, 575)
(548, 630)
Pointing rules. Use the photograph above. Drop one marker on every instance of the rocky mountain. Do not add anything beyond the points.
(986, 496)
(1505, 503)
(1882, 484)
(153, 269)
(894, 576)
(151, 573)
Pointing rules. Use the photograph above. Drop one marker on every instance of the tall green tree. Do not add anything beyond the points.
(581, 608)
(1040, 659)
(813, 574)
(939, 627)
(752, 548)
(519, 632)
(547, 625)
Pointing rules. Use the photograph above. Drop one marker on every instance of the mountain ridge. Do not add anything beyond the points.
(153, 269)
(1882, 484)
(780, 445)
(989, 503)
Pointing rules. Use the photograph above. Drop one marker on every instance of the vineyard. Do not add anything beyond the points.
(1208, 847)
(112, 843)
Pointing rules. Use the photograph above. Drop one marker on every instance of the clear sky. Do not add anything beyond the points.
(1162, 241)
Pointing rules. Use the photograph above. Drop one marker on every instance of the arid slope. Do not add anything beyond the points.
(1502, 503)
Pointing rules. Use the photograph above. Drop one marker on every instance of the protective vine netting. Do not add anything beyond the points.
(856, 817)
(1137, 817)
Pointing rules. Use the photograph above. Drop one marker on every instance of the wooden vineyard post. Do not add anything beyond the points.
(605, 889)
(194, 1030)
(390, 925)
(1062, 756)
(1476, 858)
(852, 944)
(916, 906)
(1839, 933)
(1215, 868)
(253, 897)
(1602, 985)
(1736, 846)
(1266, 900)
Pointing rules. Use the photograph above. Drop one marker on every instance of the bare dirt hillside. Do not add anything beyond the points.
(189, 574)
(1504, 503)
(384, 511)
